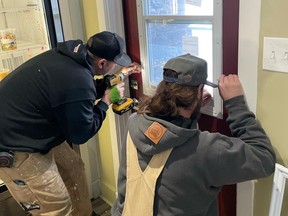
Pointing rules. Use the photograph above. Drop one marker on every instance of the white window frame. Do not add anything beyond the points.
(215, 108)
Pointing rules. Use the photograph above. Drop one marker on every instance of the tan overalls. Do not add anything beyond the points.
(140, 186)
(52, 184)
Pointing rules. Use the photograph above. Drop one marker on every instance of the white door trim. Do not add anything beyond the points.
(113, 13)
(248, 55)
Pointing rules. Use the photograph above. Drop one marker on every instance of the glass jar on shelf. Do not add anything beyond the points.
(8, 39)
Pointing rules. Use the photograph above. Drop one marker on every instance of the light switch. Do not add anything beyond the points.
(275, 54)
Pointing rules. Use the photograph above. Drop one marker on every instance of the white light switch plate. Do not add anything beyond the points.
(275, 54)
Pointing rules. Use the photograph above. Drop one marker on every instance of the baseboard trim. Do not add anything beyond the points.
(107, 193)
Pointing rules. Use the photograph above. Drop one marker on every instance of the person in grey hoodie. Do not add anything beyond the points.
(47, 102)
(169, 167)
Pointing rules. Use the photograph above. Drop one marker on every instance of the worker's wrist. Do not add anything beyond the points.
(103, 105)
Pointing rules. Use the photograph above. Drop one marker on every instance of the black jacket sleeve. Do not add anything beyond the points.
(81, 120)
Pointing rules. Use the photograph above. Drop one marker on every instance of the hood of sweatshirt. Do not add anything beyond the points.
(173, 135)
(76, 50)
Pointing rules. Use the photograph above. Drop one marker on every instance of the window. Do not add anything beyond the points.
(168, 28)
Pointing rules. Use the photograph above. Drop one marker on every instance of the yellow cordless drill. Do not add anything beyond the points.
(124, 104)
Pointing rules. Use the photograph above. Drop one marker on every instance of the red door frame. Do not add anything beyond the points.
(227, 196)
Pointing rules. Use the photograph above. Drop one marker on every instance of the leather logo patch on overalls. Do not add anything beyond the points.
(155, 132)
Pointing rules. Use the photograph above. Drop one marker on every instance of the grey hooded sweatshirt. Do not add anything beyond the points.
(200, 162)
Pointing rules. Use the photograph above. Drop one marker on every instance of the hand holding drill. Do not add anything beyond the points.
(116, 89)
(119, 91)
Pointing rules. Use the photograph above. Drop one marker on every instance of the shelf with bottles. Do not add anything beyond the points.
(23, 31)
(27, 18)
(25, 50)
(25, 46)
(10, 6)
(22, 9)
(19, 3)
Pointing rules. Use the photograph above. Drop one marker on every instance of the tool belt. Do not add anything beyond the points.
(6, 158)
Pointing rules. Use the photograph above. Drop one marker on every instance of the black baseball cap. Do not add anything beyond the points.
(191, 71)
(109, 46)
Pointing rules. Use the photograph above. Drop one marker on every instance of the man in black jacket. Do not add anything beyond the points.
(45, 103)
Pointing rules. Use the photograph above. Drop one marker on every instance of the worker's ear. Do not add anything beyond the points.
(101, 63)
(200, 91)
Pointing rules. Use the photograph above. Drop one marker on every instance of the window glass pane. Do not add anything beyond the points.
(57, 21)
(168, 40)
(179, 7)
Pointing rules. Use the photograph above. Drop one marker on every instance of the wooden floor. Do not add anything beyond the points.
(100, 207)
(7, 203)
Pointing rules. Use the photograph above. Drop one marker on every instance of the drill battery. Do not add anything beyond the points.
(123, 105)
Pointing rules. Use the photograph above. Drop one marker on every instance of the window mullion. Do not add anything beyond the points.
(197, 18)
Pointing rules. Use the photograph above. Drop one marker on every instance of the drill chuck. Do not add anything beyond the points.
(115, 79)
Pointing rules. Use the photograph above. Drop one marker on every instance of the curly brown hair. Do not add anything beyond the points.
(168, 97)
